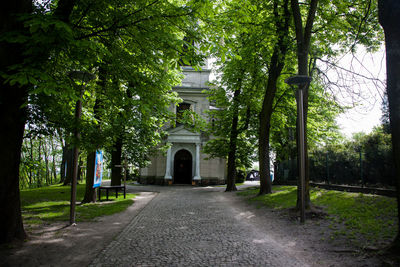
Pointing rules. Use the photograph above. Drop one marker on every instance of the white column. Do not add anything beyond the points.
(197, 170)
(168, 166)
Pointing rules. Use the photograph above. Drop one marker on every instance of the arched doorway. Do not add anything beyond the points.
(183, 167)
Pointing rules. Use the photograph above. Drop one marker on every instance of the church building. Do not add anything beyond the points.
(184, 162)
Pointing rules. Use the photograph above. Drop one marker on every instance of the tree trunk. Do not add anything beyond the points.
(116, 154)
(24, 176)
(265, 124)
(12, 121)
(69, 160)
(12, 100)
(90, 192)
(31, 160)
(53, 167)
(389, 18)
(63, 161)
(46, 160)
(276, 65)
(39, 166)
(80, 165)
(231, 175)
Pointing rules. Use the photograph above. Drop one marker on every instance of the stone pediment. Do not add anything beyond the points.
(182, 135)
(181, 130)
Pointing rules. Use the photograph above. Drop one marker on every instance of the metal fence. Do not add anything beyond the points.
(349, 168)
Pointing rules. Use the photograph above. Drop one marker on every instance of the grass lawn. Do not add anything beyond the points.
(49, 204)
(372, 219)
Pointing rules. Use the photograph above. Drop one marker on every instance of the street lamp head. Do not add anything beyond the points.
(83, 76)
(298, 80)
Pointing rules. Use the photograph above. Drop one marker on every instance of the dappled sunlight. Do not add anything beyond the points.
(368, 217)
(282, 196)
(279, 200)
(259, 241)
(48, 241)
(204, 187)
(246, 214)
(283, 188)
(52, 204)
(290, 244)
(46, 205)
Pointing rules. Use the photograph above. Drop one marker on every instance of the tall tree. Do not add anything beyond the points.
(260, 50)
(13, 97)
(303, 41)
(389, 18)
(231, 120)
(322, 35)
(275, 67)
(12, 119)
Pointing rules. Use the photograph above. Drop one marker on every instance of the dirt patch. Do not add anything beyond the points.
(61, 245)
(315, 241)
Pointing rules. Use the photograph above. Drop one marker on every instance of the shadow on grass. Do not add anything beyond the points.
(52, 203)
(281, 198)
(369, 219)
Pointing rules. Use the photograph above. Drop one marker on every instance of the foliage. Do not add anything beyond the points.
(132, 48)
(321, 123)
(227, 107)
(342, 161)
(237, 92)
(40, 160)
(365, 218)
(49, 204)
(240, 177)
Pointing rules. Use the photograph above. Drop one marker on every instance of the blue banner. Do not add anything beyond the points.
(98, 169)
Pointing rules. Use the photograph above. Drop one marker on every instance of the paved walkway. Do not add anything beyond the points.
(192, 226)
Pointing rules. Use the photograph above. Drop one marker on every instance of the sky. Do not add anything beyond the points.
(364, 83)
(362, 75)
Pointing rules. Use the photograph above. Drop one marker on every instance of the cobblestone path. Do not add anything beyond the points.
(192, 226)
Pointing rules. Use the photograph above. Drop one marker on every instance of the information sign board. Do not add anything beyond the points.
(98, 169)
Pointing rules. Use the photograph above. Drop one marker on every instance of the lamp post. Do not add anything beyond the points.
(84, 77)
(301, 81)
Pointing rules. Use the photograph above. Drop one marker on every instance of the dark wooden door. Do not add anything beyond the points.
(183, 167)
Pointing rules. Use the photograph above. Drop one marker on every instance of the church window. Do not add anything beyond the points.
(180, 110)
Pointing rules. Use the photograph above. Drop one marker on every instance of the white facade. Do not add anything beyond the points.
(184, 161)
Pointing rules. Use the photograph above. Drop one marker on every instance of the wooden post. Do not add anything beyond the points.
(125, 171)
(125, 167)
(77, 135)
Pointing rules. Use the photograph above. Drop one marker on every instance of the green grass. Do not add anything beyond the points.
(282, 197)
(372, 217)
(50, 204)
(224, 185)
(369, 218)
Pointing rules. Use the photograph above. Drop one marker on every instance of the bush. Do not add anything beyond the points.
(240, 176)
(366, 159)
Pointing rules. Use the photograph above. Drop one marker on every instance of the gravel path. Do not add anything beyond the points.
(193, 226)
